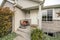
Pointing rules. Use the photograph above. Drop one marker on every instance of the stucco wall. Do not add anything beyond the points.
(18, 15)
(55, 15)
(34, 17)
(7, 4)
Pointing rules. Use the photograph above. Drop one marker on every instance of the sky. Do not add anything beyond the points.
(1, 1)
(51, 2)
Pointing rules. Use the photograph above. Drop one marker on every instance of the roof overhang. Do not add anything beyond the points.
(10, 1)
(27, 4)
(29, 8)
(52, 6)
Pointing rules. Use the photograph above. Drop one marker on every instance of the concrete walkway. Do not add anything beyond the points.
(23, 34)
(19, 38)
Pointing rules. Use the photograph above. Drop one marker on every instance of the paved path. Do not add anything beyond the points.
(19, 38)
(23, 34)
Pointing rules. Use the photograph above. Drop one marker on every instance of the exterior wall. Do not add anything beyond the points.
(34, 17)
(55, 15)
(52, 26)
(7, 4)
(27, 15)
(18, 15)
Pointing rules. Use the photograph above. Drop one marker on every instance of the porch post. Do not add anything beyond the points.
(40, 17)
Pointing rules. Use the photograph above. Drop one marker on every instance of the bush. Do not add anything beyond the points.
(5, 21)
(36, 34)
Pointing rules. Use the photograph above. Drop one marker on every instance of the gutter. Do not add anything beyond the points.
(50, 7)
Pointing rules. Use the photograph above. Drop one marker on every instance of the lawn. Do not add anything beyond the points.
(10, 36)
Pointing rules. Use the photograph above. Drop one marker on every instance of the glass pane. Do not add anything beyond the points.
(44, 18)
(49, 15)
(44, 15)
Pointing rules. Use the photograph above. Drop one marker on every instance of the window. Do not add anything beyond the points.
(47, 16)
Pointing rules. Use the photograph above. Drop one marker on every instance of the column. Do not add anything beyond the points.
(40, 17)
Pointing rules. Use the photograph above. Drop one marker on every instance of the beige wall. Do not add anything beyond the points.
(55, 15)
(7, 4)
(27, 15)
(34, 16)
(19, 15)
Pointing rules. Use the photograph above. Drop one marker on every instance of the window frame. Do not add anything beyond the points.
(48, 17)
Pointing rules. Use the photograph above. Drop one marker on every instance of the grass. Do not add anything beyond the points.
(10, 36)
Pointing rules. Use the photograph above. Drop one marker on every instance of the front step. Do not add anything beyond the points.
(24, 33)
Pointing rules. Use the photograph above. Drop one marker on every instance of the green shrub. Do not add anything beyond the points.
(36, 34)
(5, 21)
